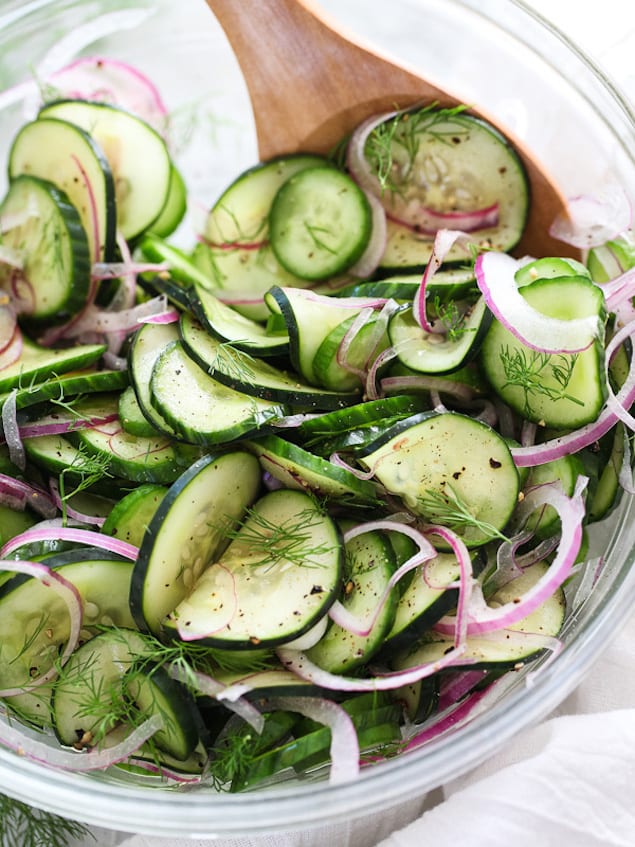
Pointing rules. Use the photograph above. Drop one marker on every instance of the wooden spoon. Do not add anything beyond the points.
(310, 85)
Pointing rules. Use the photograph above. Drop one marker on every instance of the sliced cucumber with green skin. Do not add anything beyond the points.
(444, 464)
(114, 666)
(175, 206)
(309, 318)
(147, 345)
(188, 531)
(13, 522)
(505, 648)
(131, 516)
(182, 269)
(548, 268)
(135, 457)
(66, 386)
(368, 343)
(266, 589)
(37, 364)
(320, 223)
(53, 246)
(370, 562)
(566, 470)
(478, 170)
(236, 253)
(354, 426)
(239, 370)
(296, 468)
(228, 325)
(136, 153)
(34, 619)
(608, 490)
(439, 353)
(132, 418)
(67, 156)
(426, 599)
(446, 284)
(201, 409)
(562, 390)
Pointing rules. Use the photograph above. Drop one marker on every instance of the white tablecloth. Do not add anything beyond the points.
(569, 781)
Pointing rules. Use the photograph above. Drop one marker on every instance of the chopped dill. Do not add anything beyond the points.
(23, 826)
(448, 509)
(531, 371)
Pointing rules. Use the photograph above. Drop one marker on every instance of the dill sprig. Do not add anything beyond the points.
(23, 826)
(232, 362)
(447, 508)
(269, 542)
(314, 234)
(401, 137)
(531, 371)
(451, 317)
(84, 471)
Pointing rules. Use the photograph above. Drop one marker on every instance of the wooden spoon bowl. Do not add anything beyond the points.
(310, 85)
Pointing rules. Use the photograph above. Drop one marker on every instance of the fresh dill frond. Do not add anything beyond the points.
(451, 317)
(23, 826)
(448, 509)
(84, 471)
(400, 139)
(269, 542)
(232, 758)
(232, 362)
(315, 236)
(533, 370)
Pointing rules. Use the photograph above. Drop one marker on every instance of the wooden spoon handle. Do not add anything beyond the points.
(308, 95)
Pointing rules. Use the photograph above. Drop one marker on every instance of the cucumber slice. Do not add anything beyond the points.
(564, 390)
(354, 426)
(424, 602)
(136, 153)
(277, 578)
(228, 325)
(69, 385)
(370, 562)
(320, 223)
(34, 620)
(454, 470)
(446, 284)
(188, 531)
(53, 245)
(147, 345)
(499, 649)
(37, 364)
(309, 318)
(299, 469)
(67, 156)
(236, 253)
(175, 206)
(478, 170)
(200, 409)
(104, 670)
(131, 516)
(434, 353)
(135, 457)
(132, 418)
(242, 372)
(363, 349)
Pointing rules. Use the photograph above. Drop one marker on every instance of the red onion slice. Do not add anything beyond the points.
(592, 220)
(444, 241)
(65, 533)
(69, 594)
(11, 429)
(230, 696)
(571, 511)
(25, 494)
(30, 746)
(300, 664)
(344, 749)
(495, 278)
(426, 221)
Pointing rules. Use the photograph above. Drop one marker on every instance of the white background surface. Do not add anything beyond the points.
(568, 782)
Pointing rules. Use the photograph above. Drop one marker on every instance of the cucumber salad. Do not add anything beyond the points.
(293, 498)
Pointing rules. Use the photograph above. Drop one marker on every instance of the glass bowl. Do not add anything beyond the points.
(496, 53)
